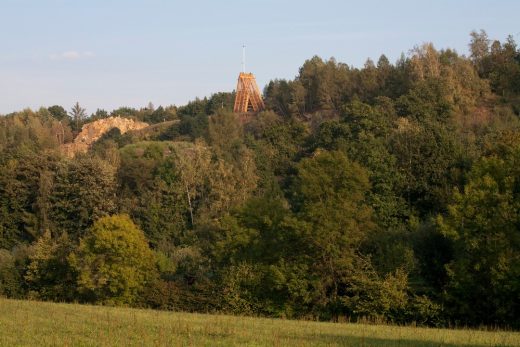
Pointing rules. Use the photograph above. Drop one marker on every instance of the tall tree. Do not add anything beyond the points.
(479, 48)
(78, 115)
(329, 200)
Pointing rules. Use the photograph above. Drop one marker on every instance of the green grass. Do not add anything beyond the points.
(29, 323)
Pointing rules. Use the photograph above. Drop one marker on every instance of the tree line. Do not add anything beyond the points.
(388, 192)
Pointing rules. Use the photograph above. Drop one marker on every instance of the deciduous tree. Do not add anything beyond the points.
(113, 262)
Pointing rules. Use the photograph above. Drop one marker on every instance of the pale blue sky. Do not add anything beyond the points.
(111, 53)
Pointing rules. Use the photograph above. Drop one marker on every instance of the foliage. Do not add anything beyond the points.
(113, 262)
(10, 277)
(58, 112)
(83, 191)
(49, 275)
(78, 115)
(483, 224)
(386, 192)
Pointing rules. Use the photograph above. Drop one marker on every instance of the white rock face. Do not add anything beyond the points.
(91, 132)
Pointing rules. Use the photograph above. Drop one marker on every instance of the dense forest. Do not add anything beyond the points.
(389, 192)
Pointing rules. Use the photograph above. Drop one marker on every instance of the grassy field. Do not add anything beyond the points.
(26, 323)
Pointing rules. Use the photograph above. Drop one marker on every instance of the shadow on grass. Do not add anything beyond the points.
(335, 340)
(277, 338)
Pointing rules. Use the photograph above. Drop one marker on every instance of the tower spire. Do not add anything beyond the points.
(248, 99)
(243, 58)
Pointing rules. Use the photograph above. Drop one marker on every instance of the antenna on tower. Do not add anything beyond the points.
(244, 58)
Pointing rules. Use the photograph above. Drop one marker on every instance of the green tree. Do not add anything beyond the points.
(225, 133)
(114, 262)
(278, 97)
(431, 160)
(258, 258)
(233, 176)
(25, 189)
(484, 276)
(78, 115)
(329, 199)
(163, 211)
(283, 263)
(49, 275)
(10, 277)
(479, 48)
(192, 126)
(193, 167)
(30, 131)
(84, 190)
(58, 112)
(99, 114)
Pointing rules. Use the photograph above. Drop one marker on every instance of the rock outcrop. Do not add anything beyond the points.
(91, 132)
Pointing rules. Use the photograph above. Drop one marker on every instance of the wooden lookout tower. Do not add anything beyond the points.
(248, 98)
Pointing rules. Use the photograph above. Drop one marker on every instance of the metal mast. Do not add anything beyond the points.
(243, 58)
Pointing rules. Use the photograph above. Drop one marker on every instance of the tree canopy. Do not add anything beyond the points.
(388, 191)
(113, 262)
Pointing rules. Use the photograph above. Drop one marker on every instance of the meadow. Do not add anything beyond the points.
(30, 323)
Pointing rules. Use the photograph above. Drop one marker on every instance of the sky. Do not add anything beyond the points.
(111, 53)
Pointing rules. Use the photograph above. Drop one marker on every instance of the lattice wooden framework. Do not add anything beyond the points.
(248, 98)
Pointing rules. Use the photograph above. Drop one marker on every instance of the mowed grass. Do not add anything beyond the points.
(29, 323)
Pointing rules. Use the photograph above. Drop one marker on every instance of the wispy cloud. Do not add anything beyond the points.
(71, 55)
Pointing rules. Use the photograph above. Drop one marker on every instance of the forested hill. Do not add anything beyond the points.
(388, 192)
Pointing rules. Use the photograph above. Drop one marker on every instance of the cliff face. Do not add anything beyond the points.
(91, 132)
